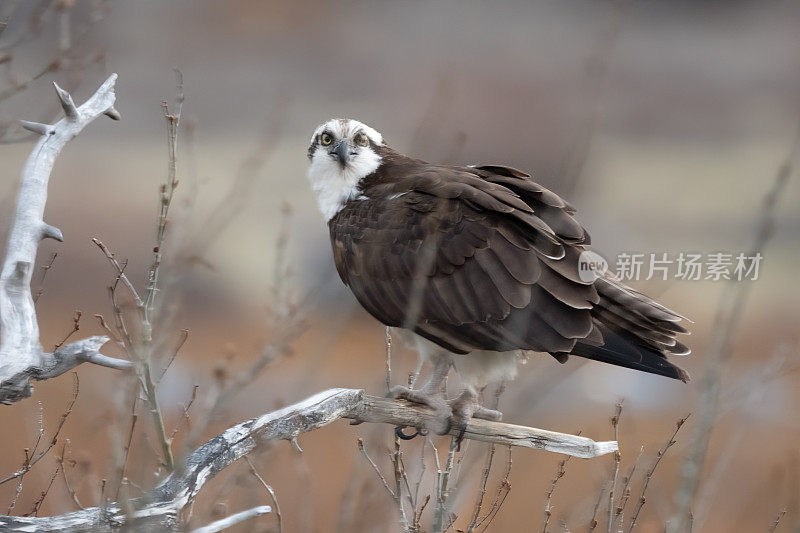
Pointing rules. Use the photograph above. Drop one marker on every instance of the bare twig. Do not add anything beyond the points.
(375, 467)
(617, 457)
(418, 513)
(777, 521)
(743, 395)
(593, 522)
(166, 195)
(482, 491)
(121, 276)
(399, 477)
(728, 315)
(626, 492)
(40, 500)
(76, 326)
(67, 484)
(652, 470)
(123, 463)
(143, 349)
(502, 493)
(33, 458)
(108, 330)
(441, 510)
(185, 415)
(45, 269)
(174, 354)
(487, 467)
(269, 490)
(18, 490)
(548, 508)
(388, 335)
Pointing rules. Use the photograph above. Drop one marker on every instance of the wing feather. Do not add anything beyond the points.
(484, 258)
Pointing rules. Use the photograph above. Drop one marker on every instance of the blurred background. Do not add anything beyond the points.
(663, 123)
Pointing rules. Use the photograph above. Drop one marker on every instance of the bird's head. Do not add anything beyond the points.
(342, 153)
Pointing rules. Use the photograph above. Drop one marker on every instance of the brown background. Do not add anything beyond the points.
(696, 112)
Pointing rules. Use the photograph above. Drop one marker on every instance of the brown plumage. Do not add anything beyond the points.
(484, 258)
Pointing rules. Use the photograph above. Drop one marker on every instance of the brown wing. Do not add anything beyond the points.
(471, 258)
(631, 329)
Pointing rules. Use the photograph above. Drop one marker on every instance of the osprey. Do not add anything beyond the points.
(474, 265)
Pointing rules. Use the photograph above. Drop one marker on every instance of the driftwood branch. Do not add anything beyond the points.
(22, 358)
(159, 509)
(232, 520)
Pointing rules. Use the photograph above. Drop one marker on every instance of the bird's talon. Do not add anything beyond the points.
(398, 431)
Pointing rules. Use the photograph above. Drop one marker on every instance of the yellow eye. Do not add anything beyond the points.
(326, 139)
(361, 140)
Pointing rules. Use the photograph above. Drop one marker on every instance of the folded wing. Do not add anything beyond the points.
(484, 258)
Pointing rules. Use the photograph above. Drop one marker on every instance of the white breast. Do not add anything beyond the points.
(335, 185)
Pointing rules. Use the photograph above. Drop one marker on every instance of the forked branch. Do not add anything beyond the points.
(22, 358)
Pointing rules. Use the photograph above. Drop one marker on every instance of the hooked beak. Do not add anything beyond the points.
(341, 152)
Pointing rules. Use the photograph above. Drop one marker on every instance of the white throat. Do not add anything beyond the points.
(335, 185)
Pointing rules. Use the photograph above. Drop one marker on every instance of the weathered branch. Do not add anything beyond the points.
(21, 355)
(160, 508)
(383, 410)
(232, 520)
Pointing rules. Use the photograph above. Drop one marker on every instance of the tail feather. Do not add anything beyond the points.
(626, 350)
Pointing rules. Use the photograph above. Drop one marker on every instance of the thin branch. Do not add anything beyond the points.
(107, 329)
(185, 415)
(729, 312)
(126, 450)
(375, 467)
(269, 490)
(777, 521)
(593, 522)
(32, 460)
(482, 492)
(45, 269)
(40, 500)
(652, 470)
(146, 305)
(441, 511)
(626, 492)
(18, 490)
(399, 477)
(76, 326)
(548, 508)
(617, 457)
(120, 268)
(388, 336)
(166, 195)
(174, 354)
(67, 484)
(502, 493)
